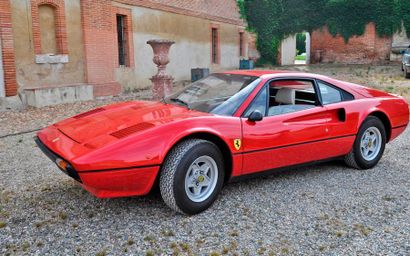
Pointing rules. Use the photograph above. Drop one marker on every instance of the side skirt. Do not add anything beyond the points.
(280, 170)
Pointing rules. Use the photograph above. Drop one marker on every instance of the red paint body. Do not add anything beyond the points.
(118, 150)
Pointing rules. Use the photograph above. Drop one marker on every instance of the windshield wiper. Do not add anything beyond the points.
(180, 102)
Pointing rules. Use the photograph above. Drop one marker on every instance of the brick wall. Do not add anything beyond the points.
(368, 48)
(6, 35)
(225, 11)
(100, 46)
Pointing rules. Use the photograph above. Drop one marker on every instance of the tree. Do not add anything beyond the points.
(273, 20)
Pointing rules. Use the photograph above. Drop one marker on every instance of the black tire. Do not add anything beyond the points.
(355, 158)
(174, 171)
(406, 72)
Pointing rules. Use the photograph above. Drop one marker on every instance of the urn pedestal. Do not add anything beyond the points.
(161, 82)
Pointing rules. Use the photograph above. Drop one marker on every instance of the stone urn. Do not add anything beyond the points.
(161, 82)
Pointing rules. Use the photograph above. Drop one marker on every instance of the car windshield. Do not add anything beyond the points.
(220, 94)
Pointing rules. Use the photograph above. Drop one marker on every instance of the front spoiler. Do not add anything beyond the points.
(70, 171)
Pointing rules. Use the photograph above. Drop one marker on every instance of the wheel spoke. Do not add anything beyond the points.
(206, 182)
(197, 190)
(205, 170)
(191, 173)
(197, 167)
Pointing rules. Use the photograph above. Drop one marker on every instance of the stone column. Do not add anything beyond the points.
(307, 48)
(161, 82)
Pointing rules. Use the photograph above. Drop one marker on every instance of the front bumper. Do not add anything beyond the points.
(69, 170)
(135, 181)
(120, 183)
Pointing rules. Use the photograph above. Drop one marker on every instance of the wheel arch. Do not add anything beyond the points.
(385, 120)
(218, 141)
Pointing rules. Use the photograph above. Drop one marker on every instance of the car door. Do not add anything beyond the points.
(343, 120)
(287, 137)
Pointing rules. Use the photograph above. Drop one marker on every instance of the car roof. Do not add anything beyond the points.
(255, 72)
(274, 73)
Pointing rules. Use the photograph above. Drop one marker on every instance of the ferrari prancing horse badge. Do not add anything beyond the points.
(237, 144)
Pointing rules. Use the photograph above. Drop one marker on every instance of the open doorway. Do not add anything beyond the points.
(302, 49)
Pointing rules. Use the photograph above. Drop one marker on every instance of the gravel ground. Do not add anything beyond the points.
(327, 209)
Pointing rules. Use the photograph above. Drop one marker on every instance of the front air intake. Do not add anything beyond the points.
(131, 130)
(91, 112)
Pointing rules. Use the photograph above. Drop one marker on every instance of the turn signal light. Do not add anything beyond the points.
(62, 164)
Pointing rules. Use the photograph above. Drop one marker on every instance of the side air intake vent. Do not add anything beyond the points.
(131, 130)
(91, 112)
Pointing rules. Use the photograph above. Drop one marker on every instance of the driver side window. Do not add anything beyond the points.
(291, 95)
(284, 96)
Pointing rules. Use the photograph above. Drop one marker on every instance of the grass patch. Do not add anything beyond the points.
(168, 233)
(150, 253)
(362, 229)
(130, 242)
(101, 253)
(3, 224)
(300, 57)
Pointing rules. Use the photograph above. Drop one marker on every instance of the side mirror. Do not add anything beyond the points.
(255, 116)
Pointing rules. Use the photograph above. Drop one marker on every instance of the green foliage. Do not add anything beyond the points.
(273, 20)
(300, 43)
(241, 5)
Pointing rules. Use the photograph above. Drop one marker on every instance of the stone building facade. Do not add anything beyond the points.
(56, 51)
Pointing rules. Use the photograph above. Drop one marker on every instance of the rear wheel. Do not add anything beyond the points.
(369, 145)
(192, 176)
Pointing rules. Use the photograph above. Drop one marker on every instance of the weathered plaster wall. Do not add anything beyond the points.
(48, 29)
(30, 74)
(288, 50)
(192, 48)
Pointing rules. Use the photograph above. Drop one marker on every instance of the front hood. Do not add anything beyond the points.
(121, 120)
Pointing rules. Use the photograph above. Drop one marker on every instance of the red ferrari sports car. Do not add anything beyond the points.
(222, 127)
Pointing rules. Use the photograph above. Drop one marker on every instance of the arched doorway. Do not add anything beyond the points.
(302, 49)
(295, 49)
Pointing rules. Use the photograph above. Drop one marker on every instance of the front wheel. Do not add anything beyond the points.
(192, 176)
(369, 145)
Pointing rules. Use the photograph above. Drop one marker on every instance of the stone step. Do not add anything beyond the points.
(47, 96)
